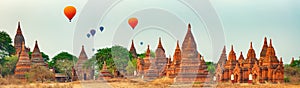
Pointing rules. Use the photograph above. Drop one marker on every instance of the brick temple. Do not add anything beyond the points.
(267, 68)
(19, 39)
(24, 61)
(187, 65)
(36, 56)
(83, 73)
(23, 64)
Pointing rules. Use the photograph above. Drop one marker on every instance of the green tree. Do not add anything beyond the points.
(62, 56)
(45, 56)
(116, 58)
(6, 48)
(40, 73)
(296, 63)
(211, 67)
(8, 67)
(143, 55)
(131, 67)
(104, 55)
(120, 56)
(64, 66)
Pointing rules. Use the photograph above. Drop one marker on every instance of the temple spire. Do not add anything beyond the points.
(251, 47)
(82, 55)
(82, 48)
(232, 56)
(160, 44)
(148, 51)
(132, 45)
(241, 56)
(223, 57)
(265, 42)
(270, 43)
(232, 48)
(19, 31)
(281, 62)
(189, 27)
(251, 53)
(292, 60)
(36, 47)
(177, 46)
(264, 48)
(224, 49)
(133, 50)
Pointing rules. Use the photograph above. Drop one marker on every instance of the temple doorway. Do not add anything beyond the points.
(84, 76)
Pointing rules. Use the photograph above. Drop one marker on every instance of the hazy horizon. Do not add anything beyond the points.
(242, 21)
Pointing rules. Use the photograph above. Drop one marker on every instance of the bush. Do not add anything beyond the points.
(286, 79)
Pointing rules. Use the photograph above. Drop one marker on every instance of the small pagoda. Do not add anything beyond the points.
(144, 64)
(23, 64)
(104, 73)
(36, 57)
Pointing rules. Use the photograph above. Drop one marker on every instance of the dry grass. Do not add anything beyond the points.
(246, 85)
(138, 83)
(40, 85)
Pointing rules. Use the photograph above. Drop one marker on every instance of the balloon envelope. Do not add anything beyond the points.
(93, 32)
(133, 22)
(88, 35)
(70, 12)
(141, 43)
(101, 28)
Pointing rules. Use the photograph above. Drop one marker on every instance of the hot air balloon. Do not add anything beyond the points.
(133, 22)
(101, 28)
(141, 43)
(93, 32)
(88, 35)
(70, 12)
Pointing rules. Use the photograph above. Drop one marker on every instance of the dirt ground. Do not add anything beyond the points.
(136, 83)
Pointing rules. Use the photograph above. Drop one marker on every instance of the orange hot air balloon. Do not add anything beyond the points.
(133, 22)
(70, 12)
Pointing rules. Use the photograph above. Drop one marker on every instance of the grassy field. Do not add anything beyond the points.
(136, 83)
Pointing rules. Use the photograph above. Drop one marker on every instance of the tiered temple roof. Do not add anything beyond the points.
(23, 64)
(192, 68)
(160, 58)
(19, 39)
(104, 72)
(270, 55)
(36, 56)
(251, 57)
(230, 63)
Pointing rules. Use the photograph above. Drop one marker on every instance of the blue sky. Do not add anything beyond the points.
(243, 21)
